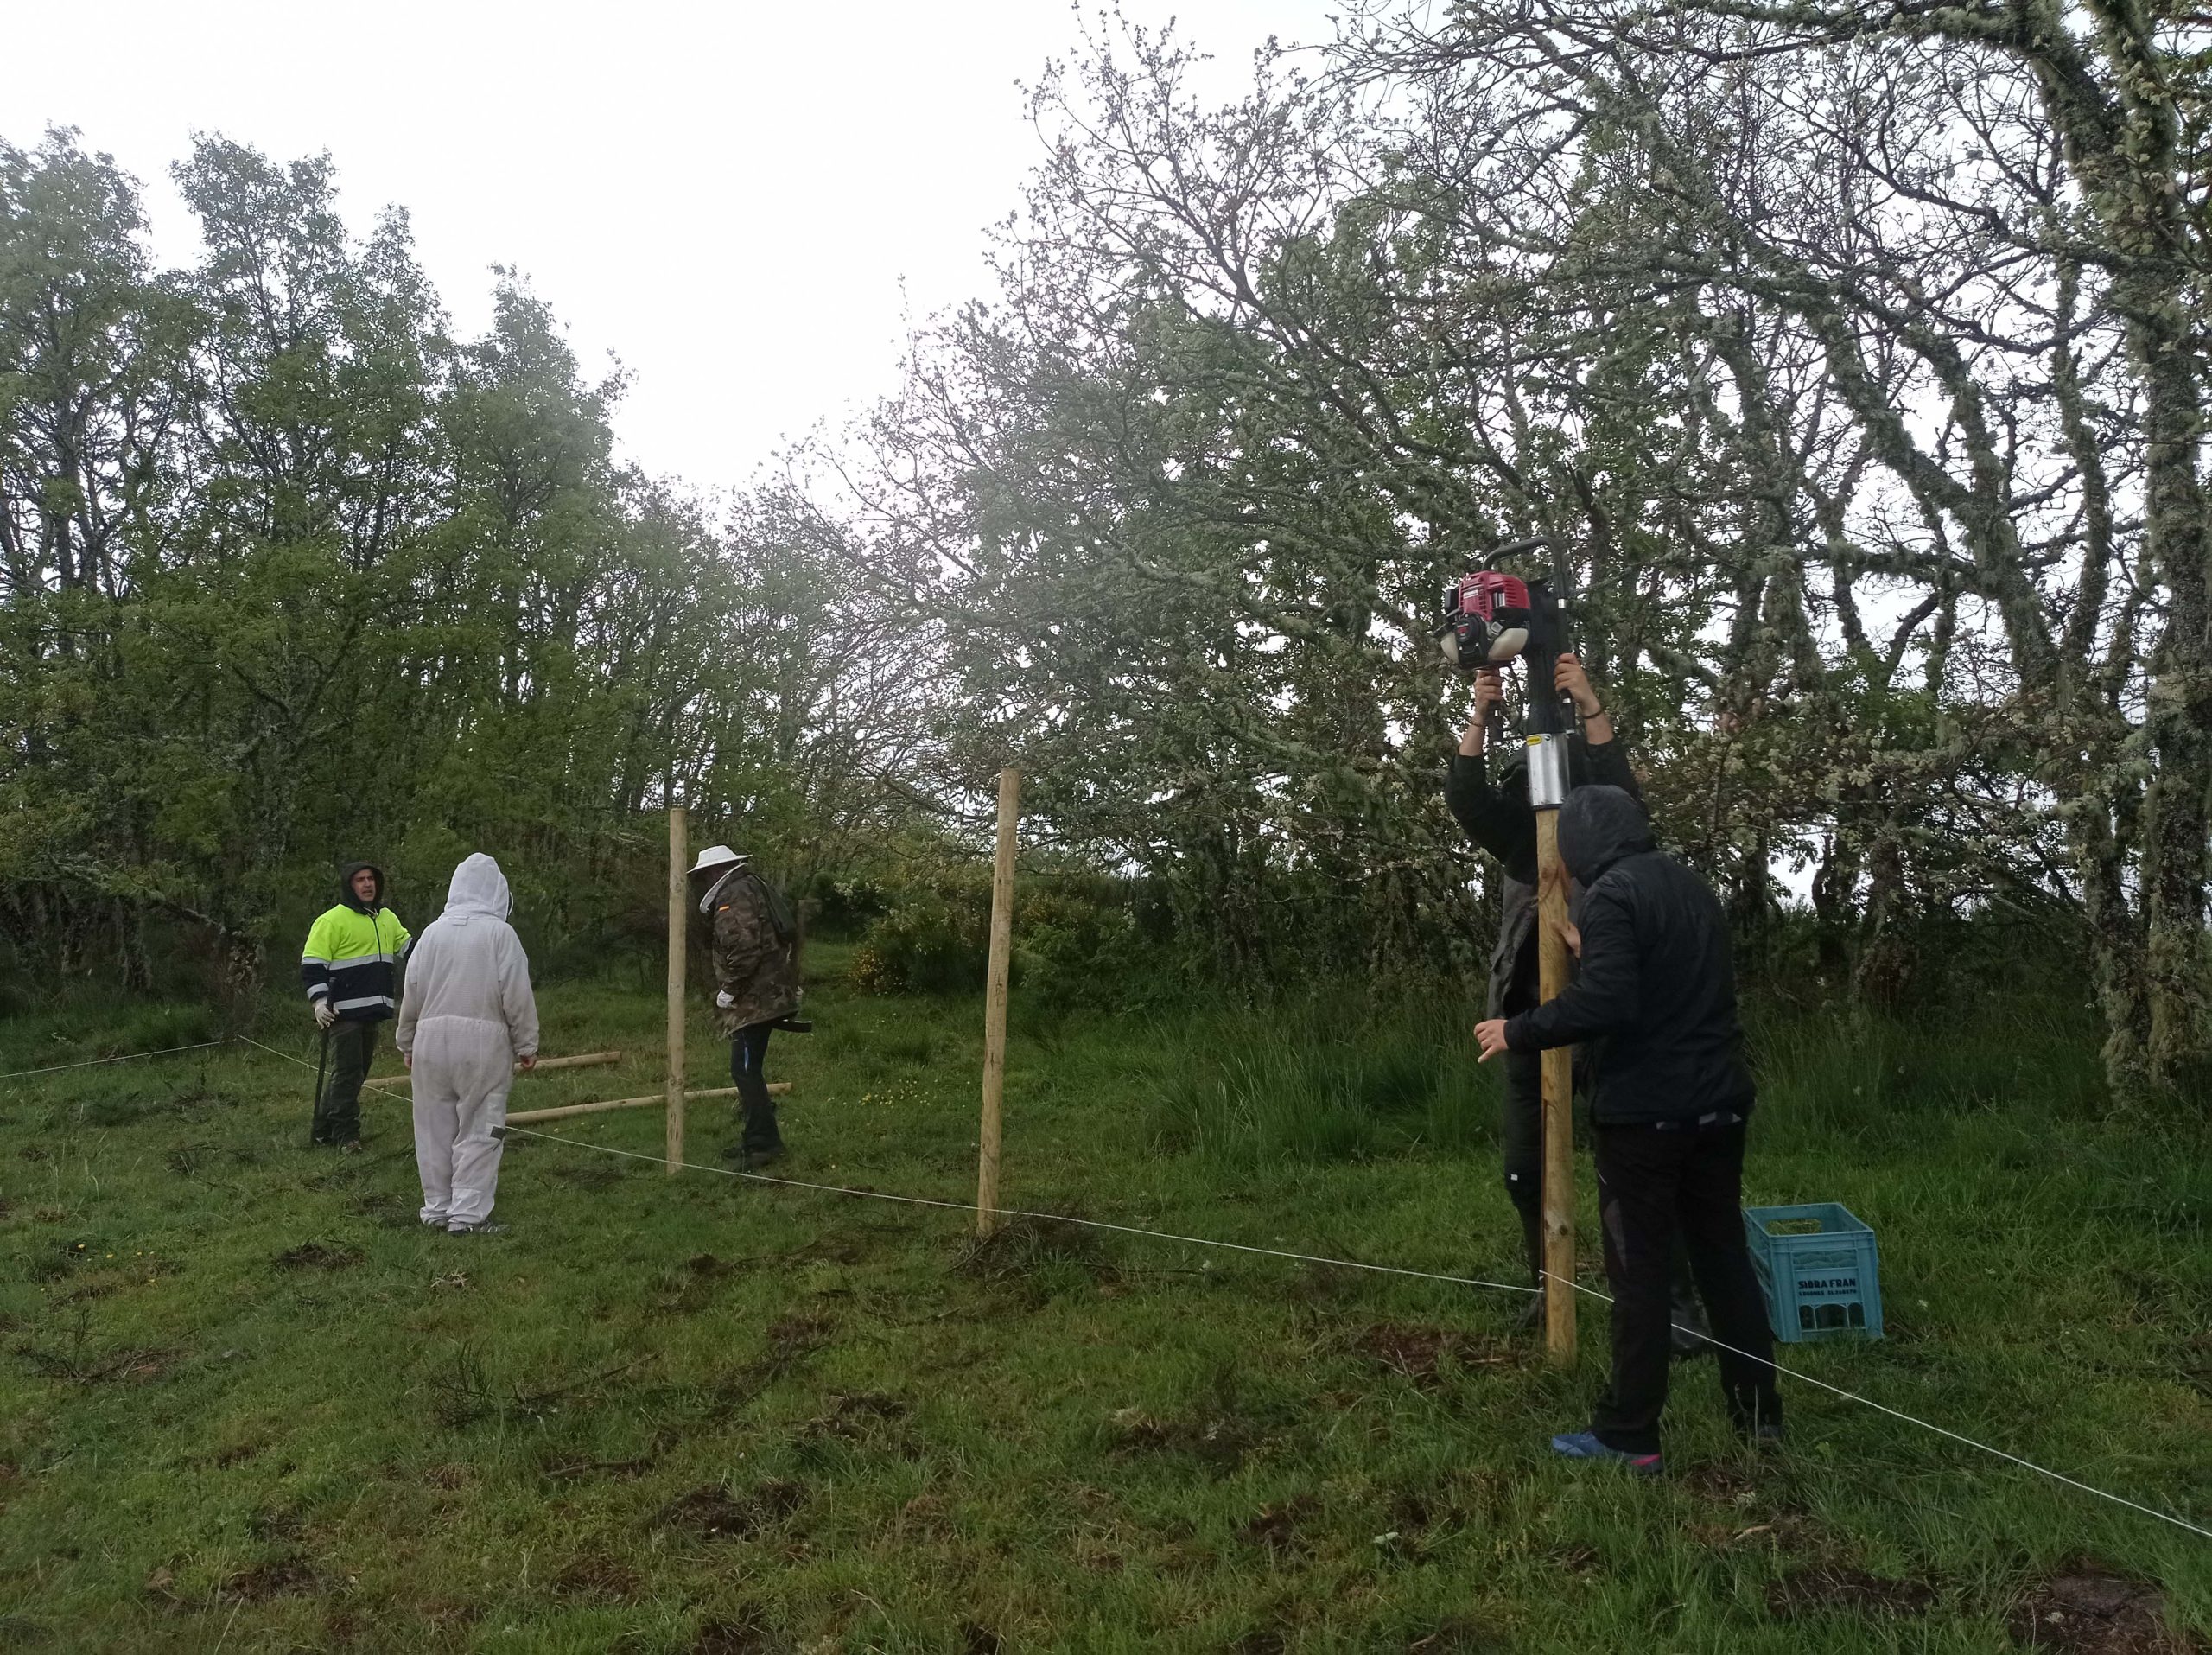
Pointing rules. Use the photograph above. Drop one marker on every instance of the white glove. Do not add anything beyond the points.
(325, 1013)
(722, 999)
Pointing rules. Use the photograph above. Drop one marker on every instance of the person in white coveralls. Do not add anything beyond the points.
(467, 1021)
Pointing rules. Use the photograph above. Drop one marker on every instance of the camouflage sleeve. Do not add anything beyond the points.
(743, 941)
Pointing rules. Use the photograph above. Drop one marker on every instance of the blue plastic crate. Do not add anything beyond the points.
(1820, 1285)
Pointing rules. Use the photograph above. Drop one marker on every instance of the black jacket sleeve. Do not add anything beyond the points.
(1609, 767)
(1491, 819)
(1603, 996)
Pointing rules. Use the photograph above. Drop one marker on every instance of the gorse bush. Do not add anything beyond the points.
(934, 941)
(1078, 941)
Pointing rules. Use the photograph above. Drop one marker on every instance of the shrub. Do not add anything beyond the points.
(1078, 939)
(934, 941)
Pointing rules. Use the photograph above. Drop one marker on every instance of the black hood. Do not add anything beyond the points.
(345, 886)
(1598, 827)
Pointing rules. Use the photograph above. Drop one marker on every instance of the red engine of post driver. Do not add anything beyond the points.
(1487, 618)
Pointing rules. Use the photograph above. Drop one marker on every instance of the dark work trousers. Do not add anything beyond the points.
(1522, 1143)
(756, 1109)
(338, 1111)
(1659, 1186)
(1522, 1146)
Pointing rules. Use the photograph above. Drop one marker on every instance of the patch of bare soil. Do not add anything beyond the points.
(1020, 1247)
(2089, 1612)
(854, 1416)
(797, 1335)
(596, 1578)
(1719, 1482)
(342, 1624)
(318, 1255)
(582, 1175)
(713, 1514)
(285, 1575)
(1275, 1528)
(686, 1291)
(1220, 1443)
(789, 1341)
(131, 1363)
(564, 1470)
(745, 1636)
(1420, 1353)
(275, 1523)
(1835, 1590)
(827, 1249)
(387, 1210)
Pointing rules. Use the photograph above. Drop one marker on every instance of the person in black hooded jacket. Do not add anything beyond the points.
(1670, 1100)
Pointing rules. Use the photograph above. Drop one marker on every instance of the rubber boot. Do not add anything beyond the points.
(1532, 1244)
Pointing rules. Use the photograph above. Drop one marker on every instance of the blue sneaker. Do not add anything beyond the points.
(1584, 1445)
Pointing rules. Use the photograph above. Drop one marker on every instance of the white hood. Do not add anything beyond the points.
(478, 890)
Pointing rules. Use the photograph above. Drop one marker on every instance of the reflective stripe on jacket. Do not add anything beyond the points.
(351, 957)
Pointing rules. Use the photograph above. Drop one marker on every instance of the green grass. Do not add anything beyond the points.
(246, 1402)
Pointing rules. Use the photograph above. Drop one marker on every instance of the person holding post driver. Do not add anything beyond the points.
(1655, 995)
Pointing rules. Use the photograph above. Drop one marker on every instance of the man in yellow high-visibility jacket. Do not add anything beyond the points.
(351, 968)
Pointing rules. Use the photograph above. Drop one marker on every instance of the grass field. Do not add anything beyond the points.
(247, 1403)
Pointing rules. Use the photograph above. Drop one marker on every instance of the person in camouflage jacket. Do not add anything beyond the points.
(755, 936)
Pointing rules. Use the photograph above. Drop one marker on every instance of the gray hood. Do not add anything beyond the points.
(478, 891)
(1598, 827)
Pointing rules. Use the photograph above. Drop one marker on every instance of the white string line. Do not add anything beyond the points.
(1382, 1270)
(128, 1057)
(383, 1086)
(1238, 1246)
(1880, 1407)
(1017, 1212)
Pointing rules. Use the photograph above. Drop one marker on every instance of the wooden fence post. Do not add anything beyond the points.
(1559, 1100)
(986, 1163)
(679, 849)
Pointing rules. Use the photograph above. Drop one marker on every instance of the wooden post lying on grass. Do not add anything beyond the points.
(566, 1110)
(583, 1060)
(987, 1160)
(544, 1066)
(679, 848)
(1559, 1100)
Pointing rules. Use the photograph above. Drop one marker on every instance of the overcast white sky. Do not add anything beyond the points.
(729, 197)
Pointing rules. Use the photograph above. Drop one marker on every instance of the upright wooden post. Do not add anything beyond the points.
(1559, 1100)
(679, 907)
(987, 1162)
